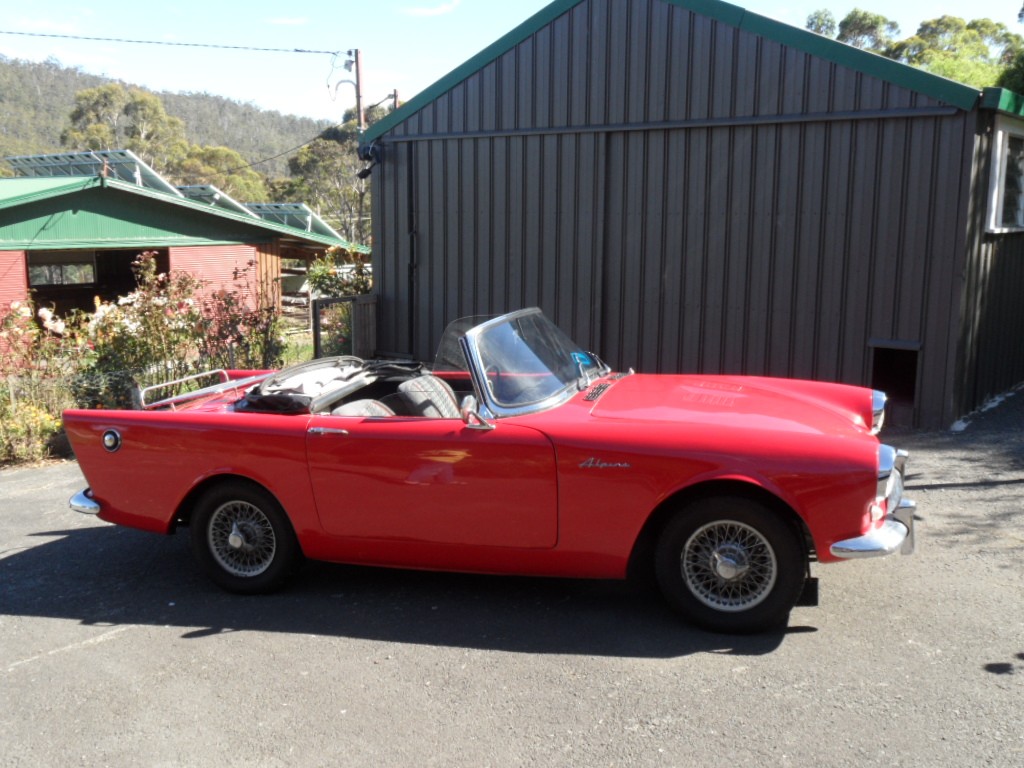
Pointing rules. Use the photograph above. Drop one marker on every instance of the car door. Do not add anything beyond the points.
(433, 480)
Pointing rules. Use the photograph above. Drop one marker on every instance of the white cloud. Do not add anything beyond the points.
(437, 10)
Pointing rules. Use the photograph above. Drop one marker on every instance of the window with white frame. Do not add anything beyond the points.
(61, 268)
(1006, 191)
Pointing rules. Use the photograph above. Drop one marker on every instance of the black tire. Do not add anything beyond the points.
(242, 538)
(730, 564)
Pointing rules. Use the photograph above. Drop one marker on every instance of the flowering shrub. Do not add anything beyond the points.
(148, 336)
(241, 328)
(166, 329)
(336, 329)
(34, 365)
(169, 328)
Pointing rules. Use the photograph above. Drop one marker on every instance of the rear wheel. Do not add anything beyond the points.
(243, 539)
(730, 564)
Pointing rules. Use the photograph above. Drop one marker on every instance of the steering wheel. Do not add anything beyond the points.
(491, 375)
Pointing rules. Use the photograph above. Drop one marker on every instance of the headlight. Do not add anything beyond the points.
(878, 401)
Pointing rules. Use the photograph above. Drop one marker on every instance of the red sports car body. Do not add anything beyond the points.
(526, 456)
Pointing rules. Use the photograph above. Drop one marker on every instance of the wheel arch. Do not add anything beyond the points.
(641, 558)
(183, 514)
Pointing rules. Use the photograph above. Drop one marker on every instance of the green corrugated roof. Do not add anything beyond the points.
(216, 224)
(939, 88)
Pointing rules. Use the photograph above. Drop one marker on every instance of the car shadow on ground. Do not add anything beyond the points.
(108, 576)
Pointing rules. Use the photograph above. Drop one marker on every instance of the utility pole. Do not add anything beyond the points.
(355, 58)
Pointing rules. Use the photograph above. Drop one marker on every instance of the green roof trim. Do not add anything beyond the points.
(1002, 100)
(939, 88)
(18, 192)
(500, 46)
(942, 89)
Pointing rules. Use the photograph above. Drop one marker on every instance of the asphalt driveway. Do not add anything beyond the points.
(115, 651)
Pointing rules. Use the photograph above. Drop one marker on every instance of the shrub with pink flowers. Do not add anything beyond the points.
(168, 328)
(36, 361)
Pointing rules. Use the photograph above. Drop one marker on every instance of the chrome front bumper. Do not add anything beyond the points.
(897, 529)
(84, 502)
(895, 533)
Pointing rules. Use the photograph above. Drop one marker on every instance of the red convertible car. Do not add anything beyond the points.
(517, 452)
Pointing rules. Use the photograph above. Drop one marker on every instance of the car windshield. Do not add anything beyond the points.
(524, 359)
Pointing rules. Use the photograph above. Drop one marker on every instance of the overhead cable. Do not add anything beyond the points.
(167, 42)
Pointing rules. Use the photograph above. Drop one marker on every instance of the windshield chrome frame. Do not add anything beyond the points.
(489, 406)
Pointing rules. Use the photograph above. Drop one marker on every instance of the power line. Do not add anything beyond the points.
(169, 43)
(193, 45)
(268, 159)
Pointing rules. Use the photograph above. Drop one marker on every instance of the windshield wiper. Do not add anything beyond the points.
(591, 368)
(582, 360)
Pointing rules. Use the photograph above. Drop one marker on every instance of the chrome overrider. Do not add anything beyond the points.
(897, 529)
(84, 502)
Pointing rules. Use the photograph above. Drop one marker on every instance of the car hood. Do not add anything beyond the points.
(753, 403)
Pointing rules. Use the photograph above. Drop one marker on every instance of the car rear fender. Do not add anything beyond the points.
(183, 513)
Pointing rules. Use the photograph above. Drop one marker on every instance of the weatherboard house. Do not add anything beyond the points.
(72, 224)
(683, 185)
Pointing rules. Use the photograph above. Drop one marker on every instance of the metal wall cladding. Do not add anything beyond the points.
(990, 361)
(681, 196)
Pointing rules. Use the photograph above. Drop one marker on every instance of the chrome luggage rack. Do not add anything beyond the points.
(225, 384)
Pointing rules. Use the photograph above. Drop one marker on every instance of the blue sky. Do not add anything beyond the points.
(405, 44)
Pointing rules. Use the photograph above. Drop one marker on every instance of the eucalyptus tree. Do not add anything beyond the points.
(980, 52)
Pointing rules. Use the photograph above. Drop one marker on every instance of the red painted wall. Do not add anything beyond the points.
(13, 284)
(13, 278)
(215, 265)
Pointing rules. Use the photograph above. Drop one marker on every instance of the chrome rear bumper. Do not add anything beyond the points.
(84, 502)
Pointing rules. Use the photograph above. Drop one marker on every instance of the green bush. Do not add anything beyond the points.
(26, 430)
(336, 329)
(339, 274)
(168, 328)
(241, 328)
(35, 362)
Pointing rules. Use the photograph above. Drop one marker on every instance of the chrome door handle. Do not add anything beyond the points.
(327, 431)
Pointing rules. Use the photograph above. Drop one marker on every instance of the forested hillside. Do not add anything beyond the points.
(37, 98)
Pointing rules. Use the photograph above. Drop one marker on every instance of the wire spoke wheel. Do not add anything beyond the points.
(731, 564)
(728, 566)
(241, 538)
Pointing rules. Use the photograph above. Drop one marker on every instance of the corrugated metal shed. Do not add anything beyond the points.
(686, 186)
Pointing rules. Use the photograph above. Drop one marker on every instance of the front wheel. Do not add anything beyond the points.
(243, 539)
(730, 564)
